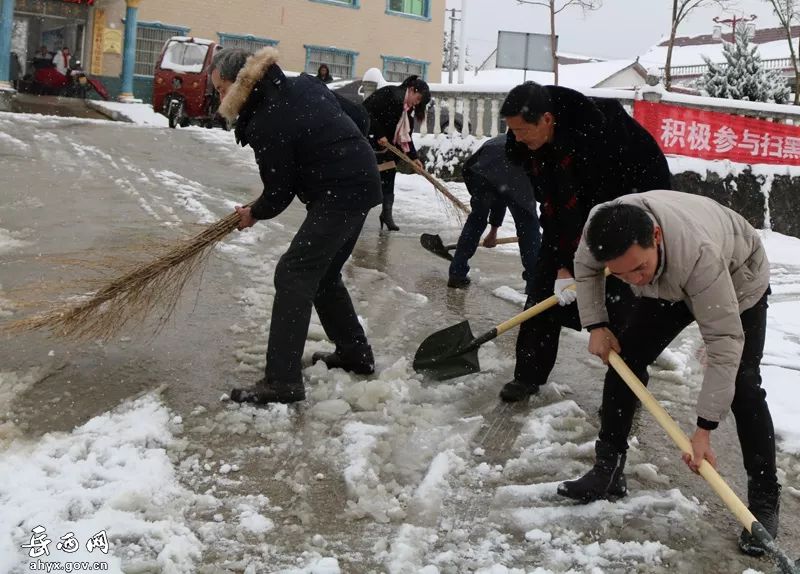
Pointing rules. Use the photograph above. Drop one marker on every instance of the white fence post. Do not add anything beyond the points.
(451, 116)
(465, 117)
(480, 115)
(495, 116)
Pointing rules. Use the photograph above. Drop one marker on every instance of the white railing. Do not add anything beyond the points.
(694, 70)
(481, 105)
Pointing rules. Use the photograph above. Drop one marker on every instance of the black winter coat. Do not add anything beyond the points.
(306, 146)
(598, 153)
(490, 171)
(385, 107)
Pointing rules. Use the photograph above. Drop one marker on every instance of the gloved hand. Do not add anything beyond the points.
(565, 296)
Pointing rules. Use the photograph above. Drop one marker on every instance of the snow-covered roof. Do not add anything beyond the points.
(192, 39)
(587, 75)
(689, 51)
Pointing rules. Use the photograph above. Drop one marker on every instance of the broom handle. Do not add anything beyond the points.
(679, 438)
(421, 171)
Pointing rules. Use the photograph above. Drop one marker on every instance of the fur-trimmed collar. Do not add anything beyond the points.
(246, 79)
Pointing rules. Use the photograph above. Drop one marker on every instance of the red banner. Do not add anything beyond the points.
(714, 135)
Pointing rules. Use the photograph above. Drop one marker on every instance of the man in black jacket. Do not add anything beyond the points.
(580, 152)
(494, 183)
(305, 146)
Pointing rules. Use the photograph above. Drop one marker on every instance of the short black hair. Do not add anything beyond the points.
(615, 227)
(228, 62)
(530, 100)
(423, 88)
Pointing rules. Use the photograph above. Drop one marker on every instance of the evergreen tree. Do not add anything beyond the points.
(743, 77)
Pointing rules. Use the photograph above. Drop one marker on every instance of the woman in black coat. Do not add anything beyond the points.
(324, 74)
(392, 111)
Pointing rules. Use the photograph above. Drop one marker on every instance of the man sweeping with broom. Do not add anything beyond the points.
(307, 147)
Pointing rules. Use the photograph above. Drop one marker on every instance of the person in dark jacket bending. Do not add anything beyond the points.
(392, 111)
(307, 147)
(580, 152)
(494, 183)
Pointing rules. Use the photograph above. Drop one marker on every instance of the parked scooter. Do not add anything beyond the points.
(48, 81)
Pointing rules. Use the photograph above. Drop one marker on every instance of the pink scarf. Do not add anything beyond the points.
(402, 134)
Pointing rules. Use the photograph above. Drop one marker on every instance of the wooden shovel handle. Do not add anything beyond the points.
(436, 183)
(504, 240)
(501, 241)
(528, 313)
(679, 438)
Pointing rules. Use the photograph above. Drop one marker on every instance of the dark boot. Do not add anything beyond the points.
(516, 391)
(263, 393)
(458, 282)
(386, 213)
(605, 481)
(360, 362)
(765, 504)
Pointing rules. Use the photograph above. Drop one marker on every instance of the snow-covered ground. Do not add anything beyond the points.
(406, 467)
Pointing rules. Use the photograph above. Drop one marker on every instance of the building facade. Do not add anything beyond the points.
(399, 37)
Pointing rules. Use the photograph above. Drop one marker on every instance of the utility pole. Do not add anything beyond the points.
(450, 50)
(462, 52)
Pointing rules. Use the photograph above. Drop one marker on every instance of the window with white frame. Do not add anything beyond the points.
(341, 63)
(419, 8)
(150, 40)
(398, 69)
(246, 42)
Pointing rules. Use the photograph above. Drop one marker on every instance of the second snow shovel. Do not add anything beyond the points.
(434, 244)
(734, 504)
(453, 352)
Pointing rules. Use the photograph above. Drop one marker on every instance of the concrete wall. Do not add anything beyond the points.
(368, 30)
(755, 197)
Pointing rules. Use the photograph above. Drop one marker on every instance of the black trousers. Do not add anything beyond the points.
(309, 273)
(387, 183)
(654, 325)
(537, 340)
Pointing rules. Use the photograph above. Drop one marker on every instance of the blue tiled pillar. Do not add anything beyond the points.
(6, 24)
(129, 50)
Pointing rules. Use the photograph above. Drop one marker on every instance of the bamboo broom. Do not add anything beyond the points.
(436, 183)
(134, 295)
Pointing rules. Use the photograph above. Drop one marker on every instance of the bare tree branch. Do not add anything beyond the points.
(554, 7)
(788, 11)
(680, 10)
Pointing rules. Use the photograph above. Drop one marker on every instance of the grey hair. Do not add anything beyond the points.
(229, 61)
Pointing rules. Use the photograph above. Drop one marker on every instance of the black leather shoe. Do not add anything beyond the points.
(360, 363)
(516, 391)
(458, 282)
(262, 394)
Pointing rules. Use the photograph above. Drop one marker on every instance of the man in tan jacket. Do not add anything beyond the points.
(688, 259)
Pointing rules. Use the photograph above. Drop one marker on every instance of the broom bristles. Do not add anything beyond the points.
(131, 297)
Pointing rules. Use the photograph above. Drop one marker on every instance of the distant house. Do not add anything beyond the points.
(574, 71)
(687, 53)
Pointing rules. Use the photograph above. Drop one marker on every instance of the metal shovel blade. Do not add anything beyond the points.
(435, 245)
(441, 355)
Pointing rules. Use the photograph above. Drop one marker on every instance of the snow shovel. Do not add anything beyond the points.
(453, 352)
(734, 504)
(434, 244)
